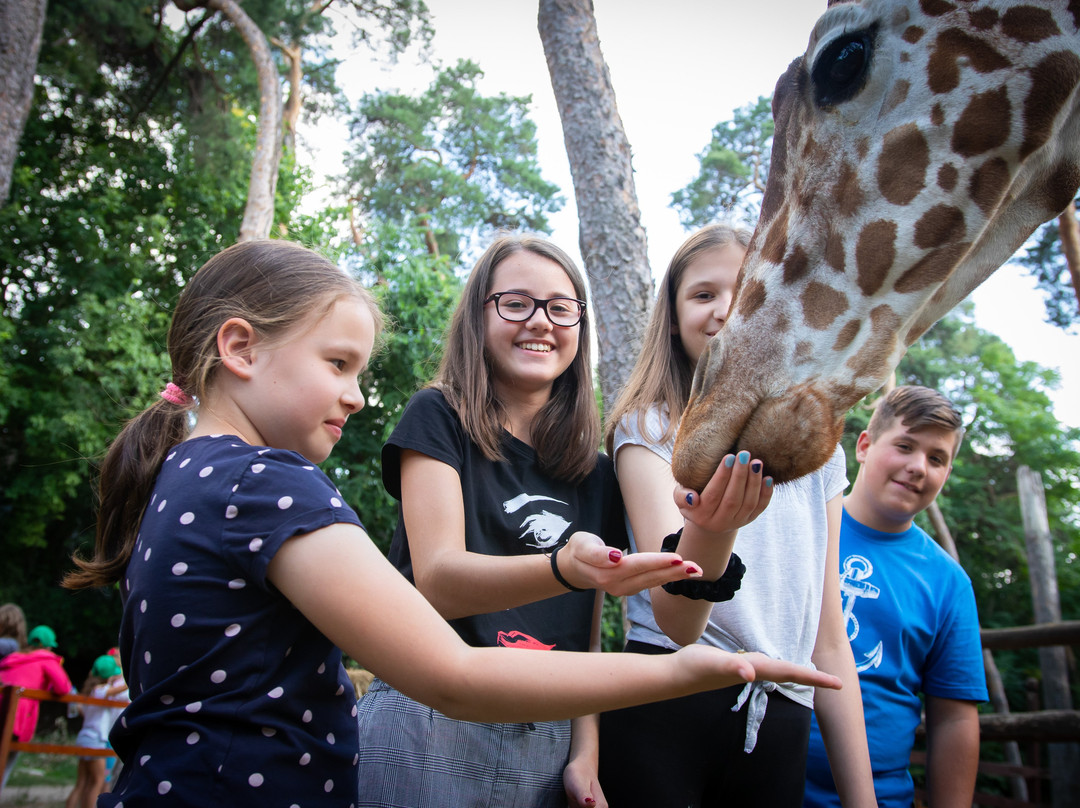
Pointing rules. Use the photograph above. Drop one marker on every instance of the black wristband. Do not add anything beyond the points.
(718, 591)
(558, 575)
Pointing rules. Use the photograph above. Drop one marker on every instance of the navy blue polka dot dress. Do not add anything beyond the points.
(236, 698)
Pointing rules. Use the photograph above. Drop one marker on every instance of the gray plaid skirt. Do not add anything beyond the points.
(412, 756)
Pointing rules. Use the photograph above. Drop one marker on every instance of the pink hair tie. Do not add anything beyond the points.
(174, 395)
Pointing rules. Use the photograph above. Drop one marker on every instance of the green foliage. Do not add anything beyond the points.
(612, 625)
(1046, 264)
(1009, 422)
(451, 161)
(733, 170)
(418, 293)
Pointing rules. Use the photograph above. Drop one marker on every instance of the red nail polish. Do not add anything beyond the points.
(691, 570)
(676, 562)
(614, 555)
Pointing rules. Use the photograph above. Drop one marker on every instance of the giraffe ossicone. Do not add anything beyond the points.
(918, 144)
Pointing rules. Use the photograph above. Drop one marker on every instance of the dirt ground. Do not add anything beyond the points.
(34, 796)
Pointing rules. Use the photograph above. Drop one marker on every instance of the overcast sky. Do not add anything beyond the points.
(678, 68)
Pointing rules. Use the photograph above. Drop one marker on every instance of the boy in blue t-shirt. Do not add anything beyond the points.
(910, 610)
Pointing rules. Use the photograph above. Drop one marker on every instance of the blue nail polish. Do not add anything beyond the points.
(755, 466)
(768, 482)
(689, 499)
(744, 458)
(729, 461)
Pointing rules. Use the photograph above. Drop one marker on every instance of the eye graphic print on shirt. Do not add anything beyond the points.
(545, 529)
(855, 584)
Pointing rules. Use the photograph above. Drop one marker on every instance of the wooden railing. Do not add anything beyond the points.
(9, 698)
(1032, 728)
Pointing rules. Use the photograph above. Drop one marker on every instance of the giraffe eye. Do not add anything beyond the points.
(841, 70)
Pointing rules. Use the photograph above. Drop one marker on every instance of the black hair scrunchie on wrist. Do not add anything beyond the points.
(718, 591)
(558, 575)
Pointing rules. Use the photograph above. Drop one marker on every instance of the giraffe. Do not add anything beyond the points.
(918, 144)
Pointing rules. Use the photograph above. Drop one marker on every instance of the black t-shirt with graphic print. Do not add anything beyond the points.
(511, 508)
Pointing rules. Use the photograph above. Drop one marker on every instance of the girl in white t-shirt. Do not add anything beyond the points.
(720, 748)
(104, 682)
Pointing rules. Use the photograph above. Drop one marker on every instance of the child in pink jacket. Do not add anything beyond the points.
(39, 668)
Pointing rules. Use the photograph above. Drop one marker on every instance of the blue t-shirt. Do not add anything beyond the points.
(911, 619)
(236, 697)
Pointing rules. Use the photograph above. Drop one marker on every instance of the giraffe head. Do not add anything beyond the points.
(918, 144)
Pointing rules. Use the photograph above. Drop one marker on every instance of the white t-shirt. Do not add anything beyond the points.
(777, 608)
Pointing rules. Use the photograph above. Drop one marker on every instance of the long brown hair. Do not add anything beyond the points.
(566, 431)
(275, 285)
(13, 623)
(663, 372)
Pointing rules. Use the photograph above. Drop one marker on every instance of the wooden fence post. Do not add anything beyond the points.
(995, 685)
(1064, 757)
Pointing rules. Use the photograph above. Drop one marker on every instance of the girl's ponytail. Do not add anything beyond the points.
(127, 478)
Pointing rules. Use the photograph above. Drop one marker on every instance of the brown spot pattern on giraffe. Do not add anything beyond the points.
(848, 193)
(804, 352)
(834, 250)
(937, 115)
(934, 267)
(1061, 187)
(875, 252)
(776, 241)
(1053, 81)
(751, 296)
(847, 335)
(796, 265)
(984, 124)
(897, 95)
(1074, 9)
(988, 183)
(1028, 24)
(947, 176)
(912, 34)
(821, 305)
(942, 224)
(902, 165)
(878, 347)
(943, 71)
(983, 18)
(935, 8)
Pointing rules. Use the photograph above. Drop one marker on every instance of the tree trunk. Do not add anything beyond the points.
(611, 237)
(291, 114)
(1069, 233)
(1064, 757)
(21, 22)
(259, 211)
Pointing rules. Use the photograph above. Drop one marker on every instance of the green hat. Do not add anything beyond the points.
(104, 667)
(43, 636)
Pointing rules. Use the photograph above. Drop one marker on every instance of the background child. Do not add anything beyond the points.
(503, 500)
(37, 668)
(735, 746)
(12, 629)
(241, 568)
(104, 682)
(910, 609)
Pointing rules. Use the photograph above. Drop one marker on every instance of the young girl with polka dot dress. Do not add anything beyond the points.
(242, 571)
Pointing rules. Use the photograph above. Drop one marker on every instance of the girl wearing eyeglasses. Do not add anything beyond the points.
(504, 499)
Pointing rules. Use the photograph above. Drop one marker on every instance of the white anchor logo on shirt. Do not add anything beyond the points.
(853, 585)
